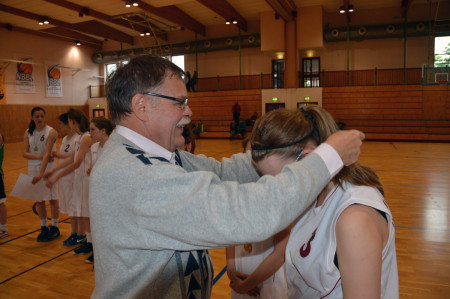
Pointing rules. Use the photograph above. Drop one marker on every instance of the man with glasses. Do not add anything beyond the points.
(155, 212)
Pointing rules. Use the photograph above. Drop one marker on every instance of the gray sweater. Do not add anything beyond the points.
(151, 221)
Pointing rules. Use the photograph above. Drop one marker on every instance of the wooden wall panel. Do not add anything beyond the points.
(399, 112)
(214, 108)
(14, 119)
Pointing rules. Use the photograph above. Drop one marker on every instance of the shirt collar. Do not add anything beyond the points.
(146, 144)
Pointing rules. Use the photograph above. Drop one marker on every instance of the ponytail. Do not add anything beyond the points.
(32, 124)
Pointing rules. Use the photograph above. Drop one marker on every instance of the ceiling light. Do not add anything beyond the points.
(43, 21)
(77, 42)
(350, 8)
(227, 22)
(142, 34)
(234, 21)
(127, 4)
(342, 9)
(147, 33)
(135, 3)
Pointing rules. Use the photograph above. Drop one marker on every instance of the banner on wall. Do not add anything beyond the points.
(2, 85)
(53, 79)
(24, 74)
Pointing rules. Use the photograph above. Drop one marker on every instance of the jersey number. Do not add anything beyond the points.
(306, 248)
(67, 148)
(42, 137)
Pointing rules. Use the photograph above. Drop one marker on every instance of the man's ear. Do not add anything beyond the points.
(140, 106)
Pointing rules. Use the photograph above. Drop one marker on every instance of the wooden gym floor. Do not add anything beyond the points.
(417, 186)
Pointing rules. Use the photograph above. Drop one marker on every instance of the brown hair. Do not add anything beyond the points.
(286, 132)
(81, 119)
(103, 123)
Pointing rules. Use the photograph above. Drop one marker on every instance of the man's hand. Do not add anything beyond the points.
(347, 144)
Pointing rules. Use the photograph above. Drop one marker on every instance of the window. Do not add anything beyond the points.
(278, 73)
(442, 51)
(112, 67)
(311, 72)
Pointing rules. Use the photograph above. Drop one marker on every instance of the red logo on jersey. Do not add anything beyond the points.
(42, 138)
(306, 248)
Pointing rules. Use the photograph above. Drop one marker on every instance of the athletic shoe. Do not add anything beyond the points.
(81, 239)
(53, 233)
(84, 249)
(43, 235)
(90, 259)
(71, 240)
(4, 234)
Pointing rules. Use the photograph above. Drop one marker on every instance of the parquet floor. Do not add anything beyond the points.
(417, 186)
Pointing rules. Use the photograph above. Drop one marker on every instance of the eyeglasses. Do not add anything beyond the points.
(184, 102)
(299, 156)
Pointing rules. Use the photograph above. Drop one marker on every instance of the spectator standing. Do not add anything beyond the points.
(236, 110)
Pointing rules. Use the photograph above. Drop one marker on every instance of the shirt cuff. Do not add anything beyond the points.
(330, 157)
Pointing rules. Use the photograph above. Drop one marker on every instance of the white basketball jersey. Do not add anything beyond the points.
(37, 143)
(310, 268)
(87, 158)
(68, 144)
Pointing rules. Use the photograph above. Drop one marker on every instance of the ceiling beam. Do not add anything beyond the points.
(405, 7)
(99, 29)
(285, 9)
(174, 15)
(99, 15)
(94, 44)
(107, 32)
(226, 11)
(75, 35)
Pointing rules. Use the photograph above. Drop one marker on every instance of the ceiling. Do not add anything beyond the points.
(92, 22)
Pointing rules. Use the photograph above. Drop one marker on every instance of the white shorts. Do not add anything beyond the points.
(66, 193)
(79, 205)
(53, 192)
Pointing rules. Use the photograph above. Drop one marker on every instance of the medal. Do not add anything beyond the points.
(35, 148)
(248, 247)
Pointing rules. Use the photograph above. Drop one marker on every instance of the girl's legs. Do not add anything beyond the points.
(42, 212)
(3, 215)
(86, 227)
(54, 231)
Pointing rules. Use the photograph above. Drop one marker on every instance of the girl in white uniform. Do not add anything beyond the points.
(100, 129)
(78, 163)
(344, 245)
(66, 183)
(39, 142)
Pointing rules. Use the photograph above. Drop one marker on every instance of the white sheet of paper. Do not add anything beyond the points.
(24, 188)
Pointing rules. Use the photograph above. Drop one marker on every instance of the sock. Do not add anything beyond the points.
(55, 222)
(88, 237)
(43, 222)
(3, 228)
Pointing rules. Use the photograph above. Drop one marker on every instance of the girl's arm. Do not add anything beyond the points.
(60, 155)
(26, 150)
(85, 144)
(64, 163)
(268, 267)
(231, 266)
(46, 157)
(361, 235)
